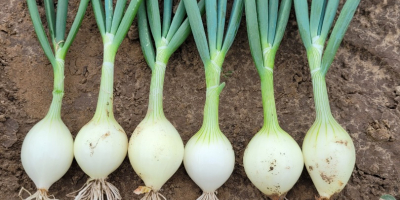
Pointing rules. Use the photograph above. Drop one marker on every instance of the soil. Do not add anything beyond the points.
(363, 84)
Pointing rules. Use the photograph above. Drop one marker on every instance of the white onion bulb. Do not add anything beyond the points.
(329, 156)
(209, 161)
(47, 152)
(155, 152)
(273, 162)
(100, 148)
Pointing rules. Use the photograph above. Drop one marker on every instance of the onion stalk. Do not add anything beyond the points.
(273, 160)
(101, 145)
(47, 150)
(156, 148)
(328, 150)
(209, 158)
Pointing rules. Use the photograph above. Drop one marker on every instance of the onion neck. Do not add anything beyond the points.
(323, 110)
(268, 101)
(155, 110)
(210, 119)
(266, 73)
(214, 88)
(104, 109)
(58, 89)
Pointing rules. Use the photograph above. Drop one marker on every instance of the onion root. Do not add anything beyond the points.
(40, 194)
(153, 196)
(96, 189)
(208, 196)
(278, 197)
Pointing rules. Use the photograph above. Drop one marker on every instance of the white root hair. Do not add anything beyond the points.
(276, 197)
(153, 196)
(40, 194)
(96, 189)
(208, 196)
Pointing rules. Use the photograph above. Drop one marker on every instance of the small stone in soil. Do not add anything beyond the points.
(397, 91)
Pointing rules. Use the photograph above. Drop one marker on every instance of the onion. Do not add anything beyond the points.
(328, 150)
(47, 150)
(209, 158)
(156, 148)
(272, 160)
(101, 145)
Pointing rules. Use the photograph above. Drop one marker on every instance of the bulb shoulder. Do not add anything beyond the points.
(52, 129)
(209, 136)
(152, 129)
(327, 134)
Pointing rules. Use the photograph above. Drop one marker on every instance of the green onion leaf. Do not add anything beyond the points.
(273, 17)
(233, 26)
(303, 21)
(108, 4)
(338, 32)
(221, 22)
(262, 16)
(177, 20)
(180, 36)
(253, 32)
(99, 15)
(322, 18)
(197, 27)
(153, 13)
(316, 17)
(183, 32)
(126, 22)
(51, 19)
(145, 37)
(61, 21)
(37, 25)
(386, 197)
(211, 16)
(166, 17)
(118, 13)
(330, 14)
(284, 12)
(75, 26)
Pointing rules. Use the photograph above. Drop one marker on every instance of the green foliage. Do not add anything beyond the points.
(314, 29)
(61, 21)
(338, 32)
(168, 37)
(116, 23)
(266, 30)
(57, 24)
(215, 16)
(387, 197)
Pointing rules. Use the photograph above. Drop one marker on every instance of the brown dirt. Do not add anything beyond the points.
(363, 83)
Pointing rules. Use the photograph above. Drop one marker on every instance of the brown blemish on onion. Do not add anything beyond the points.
(342, 142)
(326, 178)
